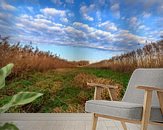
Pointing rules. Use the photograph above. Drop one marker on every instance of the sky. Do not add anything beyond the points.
(91, 30)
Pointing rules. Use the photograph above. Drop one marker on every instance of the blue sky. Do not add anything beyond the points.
(82, 29)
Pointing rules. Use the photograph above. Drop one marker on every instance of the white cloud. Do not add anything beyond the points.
(86, 10)
(2, 15)
(74, 32)
(123, 18)
(101, 33)
(93, 34)
(7, 6)
(57, 2)
(115, 7)
(53, 12)
(147, 5)
(146, 15)
(45, 21)
(19, 25)
(41, 29)
(155, 35)
(25, 16)
(70, 1)
(30, 9)
(159, 22)
(65, 20)
(88, 17)
(39, 25)
(5, 15)
(102, 2)
(151, 3)
(125, 36)
(133, 21)
(70, 14)
(161, 33)
(83, 27)
(144, 27)
(160, 8)
(98, 15)
(137, 25)
(109, 26)
(55, 29)
(121, 40)
(40, 16)
(115, 10)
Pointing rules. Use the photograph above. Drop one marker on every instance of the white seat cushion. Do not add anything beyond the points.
(125, 110)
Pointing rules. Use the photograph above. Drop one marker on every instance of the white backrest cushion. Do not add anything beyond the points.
(146, 77)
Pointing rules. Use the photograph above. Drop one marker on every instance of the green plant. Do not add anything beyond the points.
(8, 126)
(21, 98)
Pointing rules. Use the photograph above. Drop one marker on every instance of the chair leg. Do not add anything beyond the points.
(146, 110)
(124, 125)
(144, 126)
(94, 121)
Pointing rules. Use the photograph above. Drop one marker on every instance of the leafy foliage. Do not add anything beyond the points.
(21, 98)
(8, 126)
(4, 72)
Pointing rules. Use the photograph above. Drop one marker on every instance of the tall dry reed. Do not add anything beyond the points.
(29, 59)
(150, 56)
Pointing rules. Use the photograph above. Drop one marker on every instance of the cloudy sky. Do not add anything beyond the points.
(82, 29)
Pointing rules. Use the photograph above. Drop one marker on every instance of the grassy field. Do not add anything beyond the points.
(62, 82)
(64, 90)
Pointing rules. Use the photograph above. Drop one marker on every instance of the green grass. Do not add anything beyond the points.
(60, 92)
(119, 77)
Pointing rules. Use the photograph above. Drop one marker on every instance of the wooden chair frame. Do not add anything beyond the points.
(146, 107)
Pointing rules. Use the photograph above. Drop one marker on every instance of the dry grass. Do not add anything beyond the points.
(150, 56)
(81, 81)
(29, 59)
(71, 109)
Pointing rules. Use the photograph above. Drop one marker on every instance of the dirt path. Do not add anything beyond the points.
(65, 69)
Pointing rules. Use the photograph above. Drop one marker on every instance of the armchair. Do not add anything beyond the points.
(141, 104)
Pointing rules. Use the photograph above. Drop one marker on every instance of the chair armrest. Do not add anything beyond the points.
(99, 87)
(102, 85)
(148, 88)
(148, 101)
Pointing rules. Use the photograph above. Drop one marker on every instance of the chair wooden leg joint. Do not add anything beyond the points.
(94, 121)
(124, 125)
